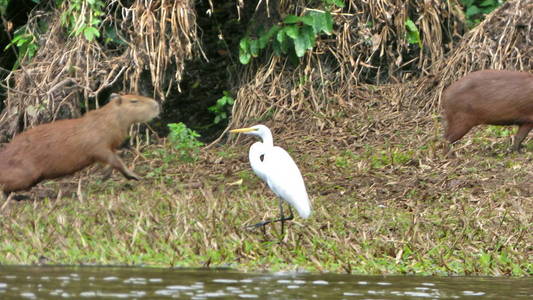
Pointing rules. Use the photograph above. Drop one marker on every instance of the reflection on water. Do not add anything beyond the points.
(51, 282)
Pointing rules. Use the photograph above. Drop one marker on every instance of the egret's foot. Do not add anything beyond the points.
(260, 224)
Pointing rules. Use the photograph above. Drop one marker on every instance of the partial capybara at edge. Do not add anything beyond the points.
(63, 147)
(489, 97)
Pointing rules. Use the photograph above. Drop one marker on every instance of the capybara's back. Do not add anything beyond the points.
(489, 97)
(64, 147)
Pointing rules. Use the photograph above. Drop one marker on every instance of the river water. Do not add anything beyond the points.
(60, 282)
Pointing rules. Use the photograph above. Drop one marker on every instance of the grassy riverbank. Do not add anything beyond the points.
(385, 202)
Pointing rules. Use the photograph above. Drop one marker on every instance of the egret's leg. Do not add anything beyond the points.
(289, 217)
(261, 224)
(282, 219)
(281, 216)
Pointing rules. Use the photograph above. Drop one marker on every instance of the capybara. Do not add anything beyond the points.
(489, 97)
(63, 147)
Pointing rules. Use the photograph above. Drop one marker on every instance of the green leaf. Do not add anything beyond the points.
(283, 41)
(184, 141)
(244, 57)
(286, 45)
(281, 36)
(329, 23)
(491, 3)
(276, 46)
(472, 11)
(90, 33)
(263, 41)
(31, 50)
(413, 35)
(310, 37)
(319, 21)
(79, 30)
(300, 44)
(63, 19)
(272, 31)
(254, 48)
(111, 36)
(291, 31)
(486, 10)
(244, 44)
(412, 38)
(410, 25)
(221, 107)
(21, 40)
(339, 3)
(308, 20)
(291, 19)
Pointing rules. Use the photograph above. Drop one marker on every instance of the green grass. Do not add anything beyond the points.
(391, 205)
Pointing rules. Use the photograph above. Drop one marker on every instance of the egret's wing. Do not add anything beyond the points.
(285, 180)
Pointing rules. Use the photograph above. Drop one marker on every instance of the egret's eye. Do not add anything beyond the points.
(262, 157)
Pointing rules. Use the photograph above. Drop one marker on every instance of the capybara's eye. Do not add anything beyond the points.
(134, 101)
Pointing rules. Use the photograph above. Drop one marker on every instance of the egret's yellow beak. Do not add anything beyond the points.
(241, 130)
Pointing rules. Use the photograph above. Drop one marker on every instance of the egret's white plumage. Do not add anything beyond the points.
(276, 167)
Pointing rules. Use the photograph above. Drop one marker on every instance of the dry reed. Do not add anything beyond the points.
(68, 72)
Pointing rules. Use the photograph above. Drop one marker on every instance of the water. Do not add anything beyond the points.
(54, 282)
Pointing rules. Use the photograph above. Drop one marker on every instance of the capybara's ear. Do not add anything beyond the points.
(115, 97)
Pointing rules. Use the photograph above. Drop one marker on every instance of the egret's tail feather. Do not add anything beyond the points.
(304, 211)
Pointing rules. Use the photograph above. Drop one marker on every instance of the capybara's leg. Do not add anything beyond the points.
(113, 160)
(106, 174)
(523, 131)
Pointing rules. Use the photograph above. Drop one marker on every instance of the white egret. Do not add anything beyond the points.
(276, 167)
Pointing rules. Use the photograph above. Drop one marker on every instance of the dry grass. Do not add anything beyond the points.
(385, 199)
(369, 47)
(385, 202)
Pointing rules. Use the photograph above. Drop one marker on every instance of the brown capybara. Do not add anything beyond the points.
(489, 97)
(60, 148)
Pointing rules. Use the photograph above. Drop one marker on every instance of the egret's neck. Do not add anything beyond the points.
(267, 139)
